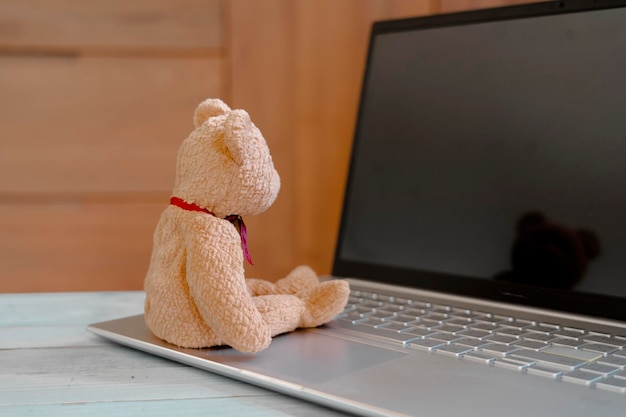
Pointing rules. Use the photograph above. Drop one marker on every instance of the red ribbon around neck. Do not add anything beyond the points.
(233, 218)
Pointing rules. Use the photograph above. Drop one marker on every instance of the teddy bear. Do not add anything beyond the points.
(197, 295)
(550, 254)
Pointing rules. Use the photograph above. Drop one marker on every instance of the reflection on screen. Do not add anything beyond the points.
(496, 151)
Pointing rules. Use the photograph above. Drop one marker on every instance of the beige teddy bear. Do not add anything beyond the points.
(196, 292)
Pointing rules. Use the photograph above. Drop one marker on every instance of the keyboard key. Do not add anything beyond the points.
(475, 334)
(598, 368)
(484, 326)
(428, 324)
(371, 321)
(418, 331)
(353, 317)
(371, 303)
(544, 371)
(549, 360)
(500, 350)
(450, 328)
(459, 322)
(453, 350)
(540, 337)
(402, 300)
(603, 349)
(444, 337)
(473, 343)
(395, 326)
(517, 324)
(620, 375)
(438, 308)
(516, 365)
(531, 344)
(618, 361)
(384, 298)
(428, 345)
(435, 317)
(621, 353)
(394, 308)
(612, 384)
(510, 331)
(572, 343)
(570, 334)
(421, 304)
(501, 339)
(581, 377)
(462, 313)
(582, 355)
(413, 312)
(403, 318)
(551, 325)
(604, 340)
(479, 357)
(365, 294)
(574, 329)
(488, 319)
(380, 314)
(541, 328)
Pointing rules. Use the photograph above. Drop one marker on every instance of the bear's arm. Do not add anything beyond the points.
(216, 279)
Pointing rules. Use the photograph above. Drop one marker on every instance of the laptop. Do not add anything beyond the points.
(483, 230)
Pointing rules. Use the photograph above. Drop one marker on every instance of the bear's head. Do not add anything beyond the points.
(551, 254)
(225, 165)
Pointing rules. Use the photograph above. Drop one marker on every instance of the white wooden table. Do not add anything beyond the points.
(50, 365)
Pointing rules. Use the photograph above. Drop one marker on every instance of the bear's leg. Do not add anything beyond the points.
(258, 287)
(282, 313)
(323, 302)
(301, 279)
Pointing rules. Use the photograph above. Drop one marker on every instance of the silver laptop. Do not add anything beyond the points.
(483, 229)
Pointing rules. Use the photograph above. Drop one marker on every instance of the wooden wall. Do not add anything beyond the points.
(95, 98)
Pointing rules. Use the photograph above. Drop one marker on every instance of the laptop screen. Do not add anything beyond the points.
(489, 157)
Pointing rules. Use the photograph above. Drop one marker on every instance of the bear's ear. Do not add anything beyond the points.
(238, 131)
(209, 108)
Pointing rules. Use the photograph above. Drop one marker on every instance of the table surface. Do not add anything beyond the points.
(50, 365)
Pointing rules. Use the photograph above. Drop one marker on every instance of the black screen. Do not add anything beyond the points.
(493, 150)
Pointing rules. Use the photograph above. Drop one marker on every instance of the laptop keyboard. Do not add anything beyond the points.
(562, 353)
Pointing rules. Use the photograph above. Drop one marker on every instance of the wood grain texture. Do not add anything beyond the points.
(76, 245)
(57, 26)
(299, 78)
(96, 98)
(97, 124)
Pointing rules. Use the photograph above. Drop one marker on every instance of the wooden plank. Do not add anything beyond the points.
(34, 337)
(299, 78)
(105, 373)
(110, 26)
(42, 320)
(71, 246)
(49, 309)
(113, 380)
(97, 124)
(249, 406)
